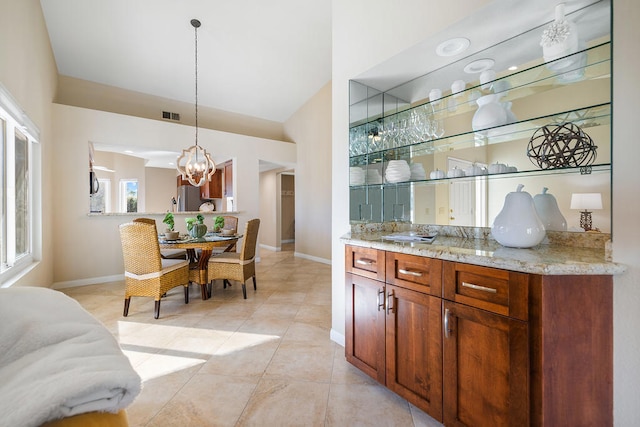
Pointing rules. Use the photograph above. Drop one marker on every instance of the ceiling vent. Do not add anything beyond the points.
(171, 116)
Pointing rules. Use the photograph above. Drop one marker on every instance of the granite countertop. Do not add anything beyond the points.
(542, 259)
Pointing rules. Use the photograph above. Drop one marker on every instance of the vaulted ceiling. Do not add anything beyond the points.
(258, 58)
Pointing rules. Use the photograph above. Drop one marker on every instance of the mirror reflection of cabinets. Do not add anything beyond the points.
(462, 150)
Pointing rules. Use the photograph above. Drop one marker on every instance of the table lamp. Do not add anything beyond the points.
(586, 202)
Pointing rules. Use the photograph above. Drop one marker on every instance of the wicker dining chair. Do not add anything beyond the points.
(146, 273)
(165, 253)
(230, 223)
(238, 266)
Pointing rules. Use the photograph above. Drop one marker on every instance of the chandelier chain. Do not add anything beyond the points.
(196, 30)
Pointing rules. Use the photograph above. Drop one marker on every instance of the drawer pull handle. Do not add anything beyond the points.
(365, 261)
(390, 306)
(409, 272)
(478, 287)
(447, 331)
(381, 300)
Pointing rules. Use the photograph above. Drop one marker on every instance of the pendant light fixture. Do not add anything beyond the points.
(195, 164)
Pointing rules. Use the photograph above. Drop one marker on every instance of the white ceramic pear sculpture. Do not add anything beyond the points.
(548, 211)
(518, 225)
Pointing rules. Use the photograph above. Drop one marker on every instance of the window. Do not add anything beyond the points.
(18, 139)
(128, 195)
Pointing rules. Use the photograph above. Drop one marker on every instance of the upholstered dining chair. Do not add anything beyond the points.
(146, 273)
(238, 266)
(164, 253)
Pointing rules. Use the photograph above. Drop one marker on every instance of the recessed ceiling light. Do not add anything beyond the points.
(128, 151)
(479, 65)
(513, 68)
(452, 46)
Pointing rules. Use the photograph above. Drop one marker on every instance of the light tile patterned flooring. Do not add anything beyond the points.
(263, 361)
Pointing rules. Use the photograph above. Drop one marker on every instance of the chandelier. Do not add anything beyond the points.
(195, 164)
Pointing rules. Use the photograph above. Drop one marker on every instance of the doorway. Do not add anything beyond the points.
(287, 212)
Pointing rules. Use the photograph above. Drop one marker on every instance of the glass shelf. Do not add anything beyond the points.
(593, 169)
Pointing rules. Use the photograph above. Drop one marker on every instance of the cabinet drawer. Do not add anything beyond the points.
(365, 262)
(414, 272)
(499, 291)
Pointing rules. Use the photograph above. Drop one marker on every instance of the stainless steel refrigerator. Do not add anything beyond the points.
(188, 198)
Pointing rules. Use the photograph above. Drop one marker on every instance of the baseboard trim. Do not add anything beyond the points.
(271, 248)
(312, 258)
(89, 281)
(337, 337)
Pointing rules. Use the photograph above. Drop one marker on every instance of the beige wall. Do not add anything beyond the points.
(86, 248)
(626, 205)
(310, 127)
(357, 48)
(28, 71)
(82, 93)
(160, 187)
(269, 226)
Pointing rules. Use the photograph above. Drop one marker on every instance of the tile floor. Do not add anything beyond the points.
(263, 361)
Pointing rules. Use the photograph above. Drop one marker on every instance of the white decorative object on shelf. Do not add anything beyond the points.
(560, 38)
(497, 168)
(435, 95)
(373, 176)
(437, 174)
(490, 113)
(548, 211)
(475, 170)
(455, 172)
(417, 172)
(397, 171)
(457, 87)
(356, 175)
(518, 225)
(486, 79)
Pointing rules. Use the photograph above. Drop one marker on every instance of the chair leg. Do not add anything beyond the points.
(186, 294)
(209, 288)
(157, 310)
(254, 284)
(203, 291)
(244, 290)
(126, 306)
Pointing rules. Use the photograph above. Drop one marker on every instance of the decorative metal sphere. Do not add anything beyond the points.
(561, 146)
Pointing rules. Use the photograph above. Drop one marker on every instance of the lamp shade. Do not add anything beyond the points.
(586, 201)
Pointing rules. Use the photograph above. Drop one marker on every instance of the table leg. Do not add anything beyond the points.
(203, 263)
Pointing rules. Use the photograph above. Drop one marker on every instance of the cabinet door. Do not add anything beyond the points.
(414, 348)
(486, 379)
(364, 329)
(213, 188)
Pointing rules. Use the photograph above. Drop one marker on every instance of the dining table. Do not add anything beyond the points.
(199, 250)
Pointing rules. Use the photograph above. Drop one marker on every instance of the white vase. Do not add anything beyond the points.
(548, 211)
(518, 225)
(490, 113)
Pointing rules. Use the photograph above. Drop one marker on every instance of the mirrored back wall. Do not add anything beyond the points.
(440, 134)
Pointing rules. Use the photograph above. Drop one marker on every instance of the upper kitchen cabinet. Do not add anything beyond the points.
(447, 146)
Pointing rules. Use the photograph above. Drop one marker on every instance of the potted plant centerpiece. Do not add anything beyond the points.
(218, 223)
(169, 233)
(196, 226)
